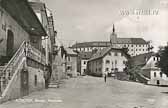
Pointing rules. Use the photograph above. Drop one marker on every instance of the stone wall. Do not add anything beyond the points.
(40, 79)
(6, 23)
(13, 89)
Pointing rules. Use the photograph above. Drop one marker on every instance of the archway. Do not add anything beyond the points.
(10, 43)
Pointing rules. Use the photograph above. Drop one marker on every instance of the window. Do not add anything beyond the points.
(153, 58)
(107, 61)
(69, 59)
(84, 62)
(161, 74)
(139, 49)
(69, 68)
(35, 80)
(107, 69)
(154, 74)
(115, 54)
(99, 69)
(124, 62)
(116, 69)
(132, 45)
(115, 61)
(139, 45)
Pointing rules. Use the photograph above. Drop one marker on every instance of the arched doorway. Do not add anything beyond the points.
(10, 43)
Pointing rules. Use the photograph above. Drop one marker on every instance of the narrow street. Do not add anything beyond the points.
(92, 92)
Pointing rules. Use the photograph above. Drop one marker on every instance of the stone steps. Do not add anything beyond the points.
(55, 84)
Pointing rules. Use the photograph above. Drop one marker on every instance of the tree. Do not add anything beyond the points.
(163, 63)
(132, 70)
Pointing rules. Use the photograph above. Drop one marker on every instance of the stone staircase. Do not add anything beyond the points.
(55, 83)
(9, 66)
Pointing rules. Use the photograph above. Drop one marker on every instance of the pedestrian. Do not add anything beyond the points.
(105, 76)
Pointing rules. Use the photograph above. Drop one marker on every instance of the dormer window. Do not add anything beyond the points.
(153, 58)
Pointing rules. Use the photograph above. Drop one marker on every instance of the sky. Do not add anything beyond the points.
(91, 20)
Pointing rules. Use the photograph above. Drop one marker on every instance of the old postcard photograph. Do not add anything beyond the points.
(83, 53)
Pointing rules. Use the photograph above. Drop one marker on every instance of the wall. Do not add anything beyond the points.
(134, 49)
(153, 80)
(9, 23)
(58, 72)
(40, 79)
(14, 89)
(40, 10)
(112, 58)
(95, 67)
(73, 64)
(83, 66)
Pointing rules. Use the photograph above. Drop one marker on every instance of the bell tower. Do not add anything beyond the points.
(113, 37)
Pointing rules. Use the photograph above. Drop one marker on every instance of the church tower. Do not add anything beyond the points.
(113, 37)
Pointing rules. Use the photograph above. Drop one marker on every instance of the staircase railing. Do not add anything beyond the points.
(11, 66)
(25, 50)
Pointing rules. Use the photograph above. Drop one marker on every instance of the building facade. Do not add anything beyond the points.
(109, 59)
(22, 61)
(135, 46)
(83, 58)
(151, 71)
(71, 63)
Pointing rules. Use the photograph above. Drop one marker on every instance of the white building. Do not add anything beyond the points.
(71, 63)
(83, 58)
(151, 71)
(109, 59)
(135, 46)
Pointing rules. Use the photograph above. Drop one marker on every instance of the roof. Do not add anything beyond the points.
(85, 55)
(141, 59)
(151, 64)
(104, 51)
(92, 44)
(70, 51)
(107, 43)
(22, 12)
(131, 41)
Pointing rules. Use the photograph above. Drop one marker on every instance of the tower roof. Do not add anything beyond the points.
(113, 28)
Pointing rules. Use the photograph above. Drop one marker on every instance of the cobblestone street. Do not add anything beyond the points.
(92, 92)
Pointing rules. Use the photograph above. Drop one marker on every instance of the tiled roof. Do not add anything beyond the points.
(92, 44)
(107, 43)
(85, 55)
(151, 64)
(70, 51)
(141, 59)
(104, 51)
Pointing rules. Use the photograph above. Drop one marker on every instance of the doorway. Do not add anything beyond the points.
(158, 82)
(24, 82)
(10, 43)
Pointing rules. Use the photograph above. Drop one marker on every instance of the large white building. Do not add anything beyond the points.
(112, 60)
(135, 46)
